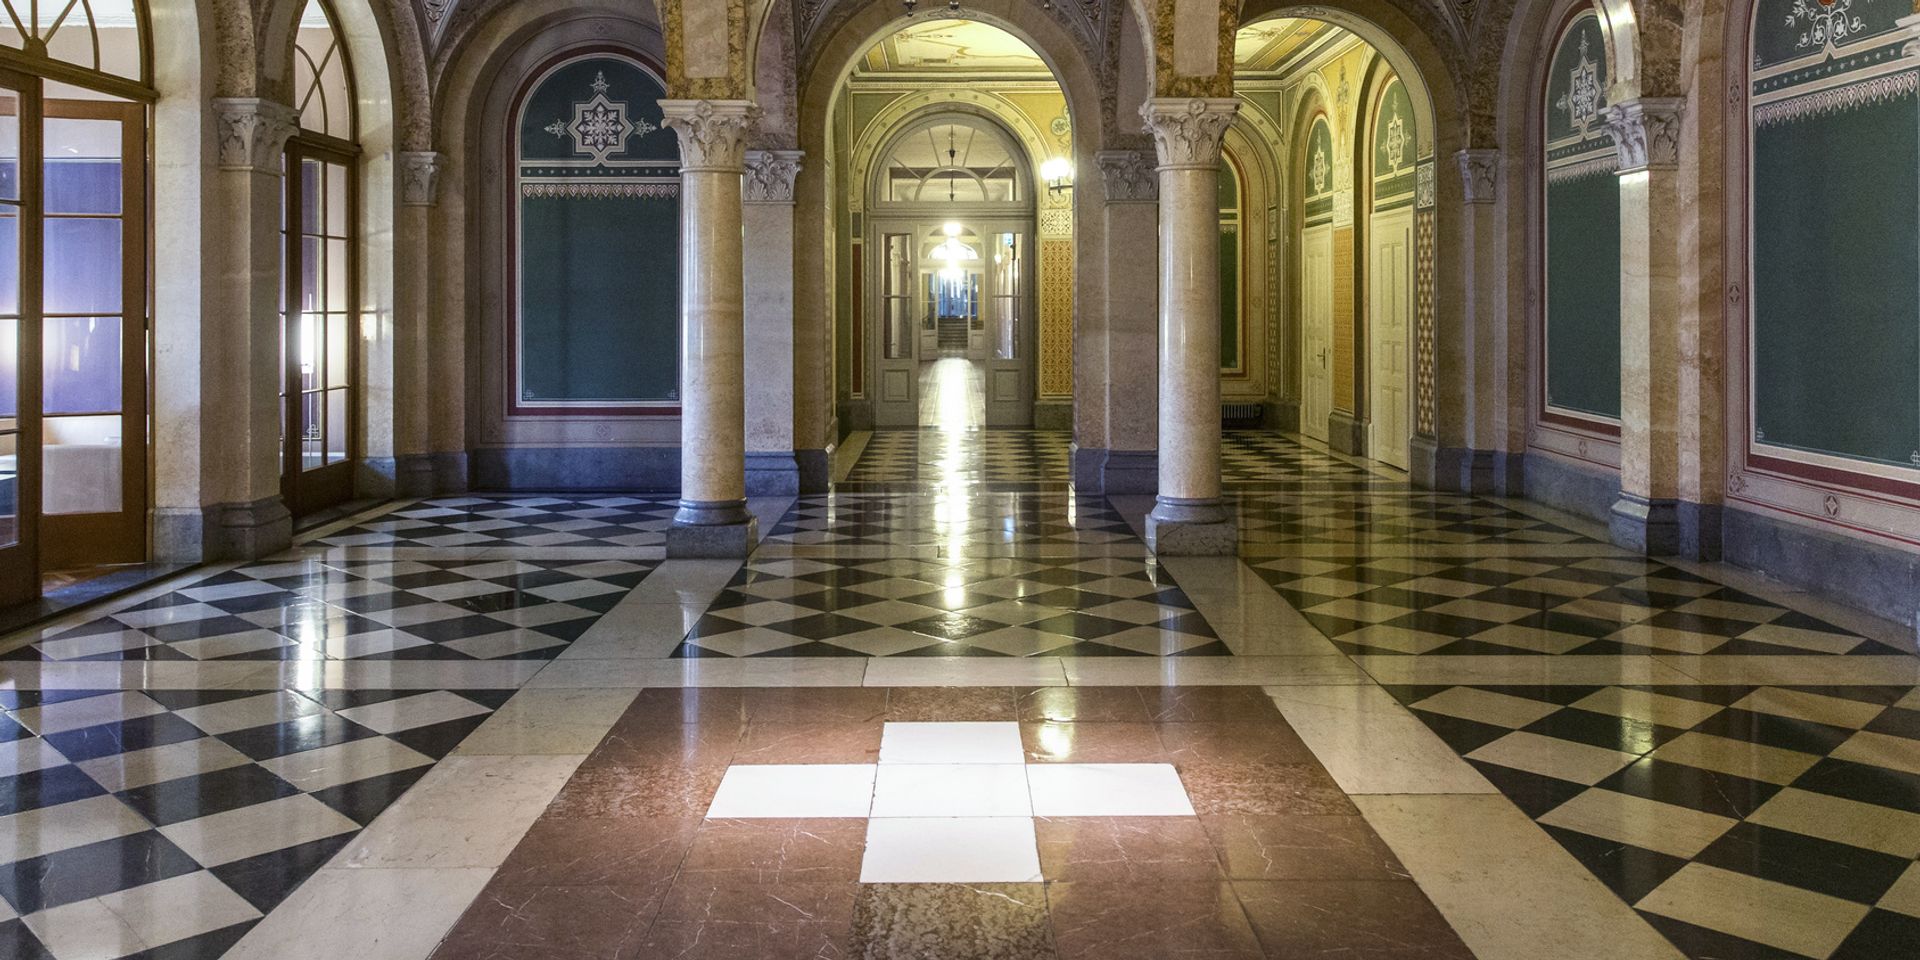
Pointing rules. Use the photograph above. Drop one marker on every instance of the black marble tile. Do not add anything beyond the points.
(437, 740)
(19, 943)
(1823, 866)
(91, 871)
(1705, 790)
(362, 800)
(10, 730)
(206, 946)
(190, 798)
(1883, 935)
(1867, 784)
(268, 878)
(199, 629)
(1624, 734)
(1531, 792)
(124, 736)
(293, 736)
(1463, 735)
(45, 788)
(458, 628)
(1700, 943)
(1630, 872)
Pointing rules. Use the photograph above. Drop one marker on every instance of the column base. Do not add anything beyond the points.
(223, 531)
(1053, 415)
(1099, 470)
(1646, 526)
(772, 474)
(712, 530)
(1193, 528)
(1347, 434)
(1423, 467)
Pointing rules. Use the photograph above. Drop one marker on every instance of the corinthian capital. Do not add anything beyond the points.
(1128, 176)
(419, 175)
(252, 133)
(1186, 132)
(1646, 132)
(713, 133)
(770, 175)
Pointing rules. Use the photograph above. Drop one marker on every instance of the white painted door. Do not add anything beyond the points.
(1008, 333)
(896, 334)
(1316, 315)
(1389, 317)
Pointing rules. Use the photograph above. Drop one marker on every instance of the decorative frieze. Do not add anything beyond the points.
(419, 177)
(1479, 175)
(1646, 132)
(252, 133)
(1128, 175)
(713, 133)
(770, 175)
(1187, 131)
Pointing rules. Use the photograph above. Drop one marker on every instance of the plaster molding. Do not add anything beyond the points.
(1479, 175)
(770, 175)
(1187, 131)
(419, 177)
(1129, 176)
(253, 133)
(1646, 132)
(713, 133)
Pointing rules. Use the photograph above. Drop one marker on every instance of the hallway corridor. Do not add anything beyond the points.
(942, 716)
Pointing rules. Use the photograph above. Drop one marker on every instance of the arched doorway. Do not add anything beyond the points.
(951, 282)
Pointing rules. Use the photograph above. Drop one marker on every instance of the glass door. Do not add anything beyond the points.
(319, 330)
(1008, 331)
(897, 360)
(19, 337)
(94, 327)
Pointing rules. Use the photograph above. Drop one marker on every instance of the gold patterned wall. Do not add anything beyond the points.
(1056, 317)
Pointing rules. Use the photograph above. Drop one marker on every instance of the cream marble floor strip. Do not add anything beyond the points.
(1210, 671)
(1507, 888)
(365, 914)
(1795, 670)
(470, 811)
(1371, 744)
(548, 722)
(704, 672)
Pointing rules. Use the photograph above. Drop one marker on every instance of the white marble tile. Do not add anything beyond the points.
(330, 766)
(549, 722)
(1210, 671)
(87, 712)
(468, 812)
(246, 831)
(1522, 669)
(1369, 743)
(230, 715)
(139, 768)
(1107, 790)
(179, 907)
(33, 833)
(84, 930)
(364, 914)
(27, 755)
(951, 790)
(979, 742)
(794, 790)
(951, 850)
(407, 713)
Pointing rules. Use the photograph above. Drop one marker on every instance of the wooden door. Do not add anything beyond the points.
(895, 346)
(1389, 317)
(1316, 315)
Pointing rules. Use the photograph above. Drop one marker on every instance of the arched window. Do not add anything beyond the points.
(73, 282)
(596, 242)
(320, 301)
(952, 160)
(1581, 208)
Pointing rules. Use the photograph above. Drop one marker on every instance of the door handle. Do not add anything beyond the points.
(1323, 357)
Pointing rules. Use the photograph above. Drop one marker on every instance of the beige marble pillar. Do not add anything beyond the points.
(772, 468)
(1647, 515)
(418, 174)
(712, 520)
(1189, 517)
(237, 365)
(1123, 351)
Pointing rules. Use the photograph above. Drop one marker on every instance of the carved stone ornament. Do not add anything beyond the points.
(713, 133)
(1187, 132)
(1479, 175)
(1646, 131)
(253, 133)
(419, 176)
(770, 175)
(1129, 176)
(1424, 186)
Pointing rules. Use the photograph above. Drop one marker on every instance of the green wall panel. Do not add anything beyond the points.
(1836, 282)
(600, 299)
(1583, 295)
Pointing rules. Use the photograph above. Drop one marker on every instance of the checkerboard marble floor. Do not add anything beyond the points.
(964, 455)
(968, 718)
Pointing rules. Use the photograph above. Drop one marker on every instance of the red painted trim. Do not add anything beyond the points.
(511, 169)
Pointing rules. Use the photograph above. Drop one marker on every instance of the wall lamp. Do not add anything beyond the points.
(1058, 173)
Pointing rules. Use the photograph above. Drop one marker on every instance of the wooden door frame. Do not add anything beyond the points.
(20, 562)
(306, 491)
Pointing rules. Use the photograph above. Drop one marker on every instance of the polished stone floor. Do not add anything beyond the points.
(941, 715)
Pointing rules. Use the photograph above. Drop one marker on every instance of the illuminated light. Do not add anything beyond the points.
(950, 228)
(1056, 169)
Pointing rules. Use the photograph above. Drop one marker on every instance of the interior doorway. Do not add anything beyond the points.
(955, 346)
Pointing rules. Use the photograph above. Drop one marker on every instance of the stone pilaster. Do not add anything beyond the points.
(1121, 355)
(773, 467)
(712, 520)
(419, 177)
(1647, 517)
(1470, 452)
(1189, 517)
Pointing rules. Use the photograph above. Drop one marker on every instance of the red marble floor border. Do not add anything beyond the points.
(1276, 863)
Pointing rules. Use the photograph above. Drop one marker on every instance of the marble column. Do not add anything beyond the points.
(231, 375)
(772, 467)
(1647, 517)
(396, 372)
(712, 520)
(1123, 351)
(1189, 517)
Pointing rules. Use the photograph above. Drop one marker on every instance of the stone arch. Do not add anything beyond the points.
(880, 131)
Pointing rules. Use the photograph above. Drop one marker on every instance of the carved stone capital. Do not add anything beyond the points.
(419, 177)
(1646, 132)
(1187, 131)
(252, 133)
(1128, 175)
(713, 133)
(770, 175)
(1479, 175)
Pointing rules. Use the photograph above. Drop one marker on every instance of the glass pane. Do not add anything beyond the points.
(9, 370)
(310, 357)
(73, 41)
(9, 489)
(337, 344)
(337, 298)
(310, 275)
(9, 262)
(82, 166)
(897, 303)
(80, 469)
(336, 200)
(312, 177)
(81, 365)
(82, 265)
(1005, 319)
(9, 142)
(336, 425)
(310, 424)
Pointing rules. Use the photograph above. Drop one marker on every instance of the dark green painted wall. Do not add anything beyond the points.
(1583, 295)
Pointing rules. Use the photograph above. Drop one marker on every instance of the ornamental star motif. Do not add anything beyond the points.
(1318, 170)
(600, 127)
